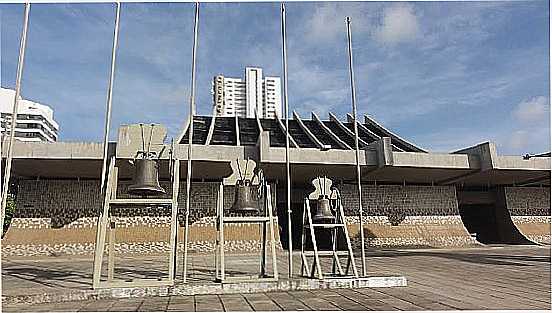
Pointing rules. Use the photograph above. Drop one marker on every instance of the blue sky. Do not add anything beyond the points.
(444, 75)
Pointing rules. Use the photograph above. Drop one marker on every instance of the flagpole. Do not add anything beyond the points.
(288, 169)
(13, 124)
(357, 150)
(110, 94)
(190, 137)
(99, 250)
(7, 173)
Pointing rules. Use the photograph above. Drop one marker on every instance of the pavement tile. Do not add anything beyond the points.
(506, 278)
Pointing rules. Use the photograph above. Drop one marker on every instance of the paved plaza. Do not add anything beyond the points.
(491, 277)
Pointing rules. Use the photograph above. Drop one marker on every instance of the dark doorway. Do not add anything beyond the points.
(323, 236)
(296, 216)
(485, 214)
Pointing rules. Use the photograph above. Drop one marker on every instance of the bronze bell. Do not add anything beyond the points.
(146, 179)
(244, 201)
(323, 211)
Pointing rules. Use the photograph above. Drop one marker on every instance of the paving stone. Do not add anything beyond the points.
(480, 278)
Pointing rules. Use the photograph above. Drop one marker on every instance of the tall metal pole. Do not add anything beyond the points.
(110, 94)
(357, 150)
(7, 173)
(13, 124)
(190, 137)
(98, 251)
(288, 169)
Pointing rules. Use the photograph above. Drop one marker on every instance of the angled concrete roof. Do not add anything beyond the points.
(305, 133)
(317, 147)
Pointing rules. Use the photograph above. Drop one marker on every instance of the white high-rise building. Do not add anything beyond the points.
(35, 121)
(242, 97)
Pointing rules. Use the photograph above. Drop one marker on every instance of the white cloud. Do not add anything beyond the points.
(327, 22)
(534, 110)
(400, 24)
(531, 131)
(519, 139)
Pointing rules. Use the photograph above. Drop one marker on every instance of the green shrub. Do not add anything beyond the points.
(10, 211)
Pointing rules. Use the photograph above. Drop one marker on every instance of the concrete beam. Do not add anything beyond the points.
(56, 150)
(388, 133)
(512, 162)
(237, 126)
(312, 155)
(435, 160)
(370, 133)
(307, 131)
(283, 129)
(383, 150)
(344, 128)
(328, 131)
(534, 181)
(486, 152)
(210, 132)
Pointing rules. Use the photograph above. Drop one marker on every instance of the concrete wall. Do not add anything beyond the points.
(529, 208)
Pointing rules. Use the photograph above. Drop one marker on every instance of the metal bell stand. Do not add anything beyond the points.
(338, 223)
(265, 218)
(107, 224)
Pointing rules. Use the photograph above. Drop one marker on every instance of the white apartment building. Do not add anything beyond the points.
(35, 121)
(242, 97)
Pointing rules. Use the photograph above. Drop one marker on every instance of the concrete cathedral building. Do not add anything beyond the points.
(411, 197)
(243, 97)
(35, 121)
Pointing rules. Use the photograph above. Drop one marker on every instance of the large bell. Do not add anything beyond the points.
(323, 211)
(244, 201)
(146, 180)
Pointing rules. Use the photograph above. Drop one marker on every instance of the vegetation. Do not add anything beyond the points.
(10, 211)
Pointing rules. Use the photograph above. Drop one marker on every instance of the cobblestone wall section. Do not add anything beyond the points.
(528, 201)
(397, 202)
(394, 216)
(529, 209)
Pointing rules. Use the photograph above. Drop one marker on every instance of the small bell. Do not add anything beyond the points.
(146, 179)
(244, 201)
(323, 210)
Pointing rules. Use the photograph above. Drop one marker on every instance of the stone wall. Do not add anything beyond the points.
(60, 216)
(529, 208)
(395, 215)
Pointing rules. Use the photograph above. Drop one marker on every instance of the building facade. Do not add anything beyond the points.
(35, 121)
(411, 197)
(243, 97)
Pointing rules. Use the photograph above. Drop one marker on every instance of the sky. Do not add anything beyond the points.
(443, 75)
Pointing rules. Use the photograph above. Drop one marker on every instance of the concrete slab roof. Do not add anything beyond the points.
(380, 161)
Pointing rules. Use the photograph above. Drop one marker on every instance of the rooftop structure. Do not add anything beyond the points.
(305, 133)
(35, 121)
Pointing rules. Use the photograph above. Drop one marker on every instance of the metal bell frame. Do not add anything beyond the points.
(266, 219)
(338, 223)
(107, 226)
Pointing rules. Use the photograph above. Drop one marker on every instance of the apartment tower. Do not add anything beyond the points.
(243, 97)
